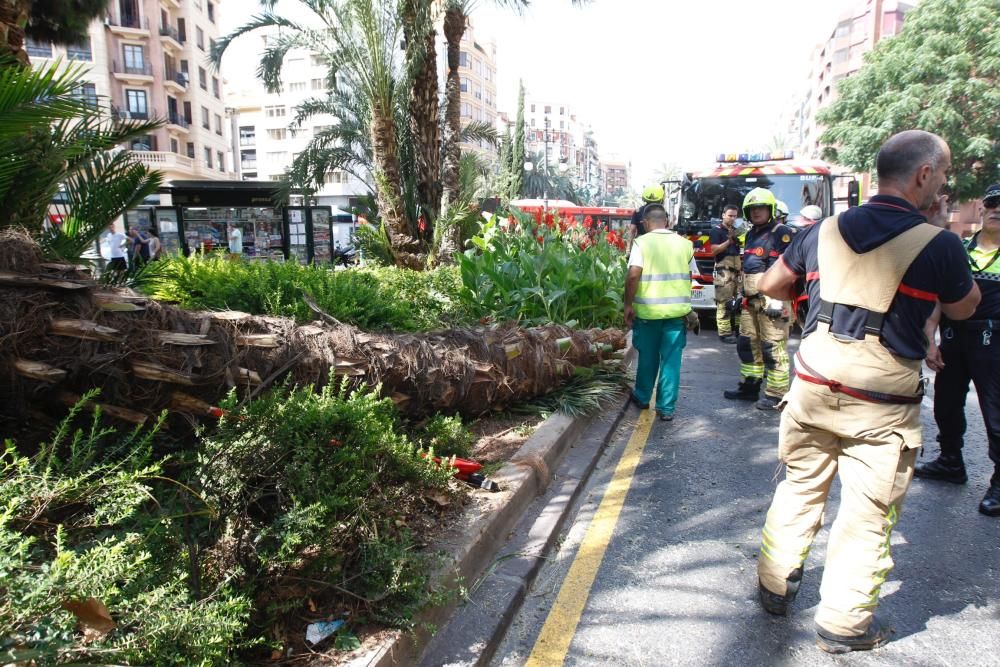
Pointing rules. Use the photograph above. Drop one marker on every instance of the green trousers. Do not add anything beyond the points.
(659, 344)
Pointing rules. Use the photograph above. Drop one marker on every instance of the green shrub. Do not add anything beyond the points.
(85, 517)
(446, 436)
(539, 273)
(377, 299)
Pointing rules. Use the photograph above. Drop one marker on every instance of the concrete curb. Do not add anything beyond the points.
(472, 543)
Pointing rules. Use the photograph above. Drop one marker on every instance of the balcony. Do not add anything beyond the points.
(248, 165)
(130, 114)
(134, 73)
(128, 25)
(175, 3)
(248, 141)
(177, 122)
(178, 166)
(171, 39)
(175, 81)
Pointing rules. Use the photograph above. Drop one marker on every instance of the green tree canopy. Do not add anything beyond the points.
(940, 74)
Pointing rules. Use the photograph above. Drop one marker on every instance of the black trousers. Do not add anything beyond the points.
(968, 354)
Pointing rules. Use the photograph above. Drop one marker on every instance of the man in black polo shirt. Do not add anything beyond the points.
(726, 247)
(970, 353)
(874, 275)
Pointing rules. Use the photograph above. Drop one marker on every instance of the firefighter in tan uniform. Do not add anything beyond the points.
(725, 244)
(874, 275)
(764, 323)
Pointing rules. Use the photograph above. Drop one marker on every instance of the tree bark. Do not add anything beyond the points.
(13, 19)
(59, 342)
(425, 125)
(454, 28)
(385, 152)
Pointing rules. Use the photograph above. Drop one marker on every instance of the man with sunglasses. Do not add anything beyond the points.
(969, 352)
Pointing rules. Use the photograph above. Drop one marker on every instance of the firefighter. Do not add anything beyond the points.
(874, 275)
(969, 353)
(725, 246)
(658, 309)
(764, 322)
(653, 194)
(781, 212)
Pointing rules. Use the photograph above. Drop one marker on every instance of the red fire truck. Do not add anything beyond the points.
(697, 200)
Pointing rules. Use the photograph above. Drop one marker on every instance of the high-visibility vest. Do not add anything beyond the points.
(665, 286)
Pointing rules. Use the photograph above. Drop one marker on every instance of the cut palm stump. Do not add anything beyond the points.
(60, 338)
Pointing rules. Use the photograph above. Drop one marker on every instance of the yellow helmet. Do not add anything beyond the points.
(759, 197)
(781, 209)
(653, 194)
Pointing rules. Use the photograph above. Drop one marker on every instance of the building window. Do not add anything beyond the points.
(38, 49)
(548, 109)
(843, 30)
(136, 103)
(297, 87)
(248, 136)
(200, 38)
(318, 84)
(532, 108)
(220, 157)
(190, 149)
(215, 88)
(211, 12)
(79, 51)
(202, 78)
(479, 92)
(218, 124)
(206, 118)
(463, 59)
(248, 160)
(466, 110)
(274, 112)
(841, 56)
(278, 134)
(277, 157)
(319, 129)
(275, 177)
(335, 177)
(175, 146)
(88, 93)
(135, 59)
(465, 85)
(208, 157)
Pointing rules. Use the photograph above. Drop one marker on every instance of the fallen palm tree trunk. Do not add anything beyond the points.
(58, 339)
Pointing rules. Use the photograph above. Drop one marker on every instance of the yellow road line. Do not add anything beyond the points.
(560, 625)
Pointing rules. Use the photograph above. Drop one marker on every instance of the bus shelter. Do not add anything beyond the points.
(202, 216)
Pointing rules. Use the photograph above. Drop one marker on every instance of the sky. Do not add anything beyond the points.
(663, 81)
(659, 81)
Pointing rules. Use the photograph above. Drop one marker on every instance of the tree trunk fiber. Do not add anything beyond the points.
(60, 342)
(454, 27)
(13, 18)
(385, 152)
(425, 125)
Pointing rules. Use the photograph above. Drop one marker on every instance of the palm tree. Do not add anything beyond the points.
(359, 38)
(424, 106)
(58, 146)
(59, 21)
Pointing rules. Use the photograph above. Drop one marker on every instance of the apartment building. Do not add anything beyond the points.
(478, 71)
(149, 59)
(615, 175)
(266, 138)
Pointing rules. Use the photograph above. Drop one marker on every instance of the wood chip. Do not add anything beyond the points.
(151, 371)
(36, 370)
(120, 306)
(168, 338)
(53, 282)
(182, 402)
(228, 315)
(258, 340)
(92, 617)
(69, 399)
(85, 329)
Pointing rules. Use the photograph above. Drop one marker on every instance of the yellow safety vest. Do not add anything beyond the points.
(665, 286)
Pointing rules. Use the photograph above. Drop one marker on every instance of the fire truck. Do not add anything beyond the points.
(697, 200)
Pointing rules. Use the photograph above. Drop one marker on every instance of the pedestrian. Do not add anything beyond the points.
(764, 322)
(155, 245)
(809, 216)
(874, 275)
(725, 246)
(139, 253)
(968, 353)
(653, 194)
(235, 238)
(658, 309)
(116, 250)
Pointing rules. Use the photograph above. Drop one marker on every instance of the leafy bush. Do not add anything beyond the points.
(88, 516)
(446, 436)
(370, 298)
(545, 271)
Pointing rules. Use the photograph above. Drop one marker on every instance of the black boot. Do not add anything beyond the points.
(875, 636)
(729, 339)
(778, 604)
(748, 390)
(991, 501)
(944, 468)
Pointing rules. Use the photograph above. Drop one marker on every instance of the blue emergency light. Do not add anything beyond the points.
(755, 157)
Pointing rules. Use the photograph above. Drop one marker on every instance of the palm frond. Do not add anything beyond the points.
(29, 96)
(479, 130)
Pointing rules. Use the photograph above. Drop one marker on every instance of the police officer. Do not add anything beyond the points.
(764, 322)
(653, 194)
(970, 353)
(658, 308)
(874, 275)
(726, 247)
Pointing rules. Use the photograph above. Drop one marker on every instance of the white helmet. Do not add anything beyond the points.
(812, 213)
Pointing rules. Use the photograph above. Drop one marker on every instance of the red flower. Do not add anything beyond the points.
(550, 220)
(541, 239)
(588, 222)
(422, 224)
(584, 244)
(538, 216)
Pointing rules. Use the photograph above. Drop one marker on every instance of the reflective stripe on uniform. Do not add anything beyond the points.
(659, 277)
(661, 300)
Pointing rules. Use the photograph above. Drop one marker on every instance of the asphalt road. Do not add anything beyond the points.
(677, 584)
